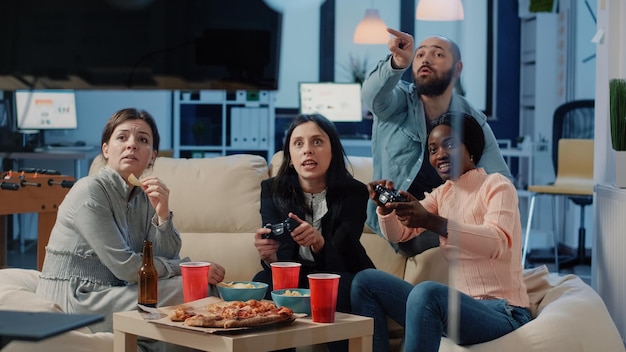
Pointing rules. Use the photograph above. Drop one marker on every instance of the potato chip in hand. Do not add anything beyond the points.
(133, 180)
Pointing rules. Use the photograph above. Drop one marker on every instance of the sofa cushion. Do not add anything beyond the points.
(537, 282)
(219, 194)
(383, 256)
(429, 265)
(14, 297)
(26, 278)
(17, 292)
(568, 316)
(232, 184)
(234, 251)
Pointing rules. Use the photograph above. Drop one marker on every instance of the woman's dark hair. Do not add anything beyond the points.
(287, 186)
(128, 114)
(472, 134)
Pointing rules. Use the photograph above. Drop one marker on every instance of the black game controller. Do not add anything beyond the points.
(286, 225)
(386, 195)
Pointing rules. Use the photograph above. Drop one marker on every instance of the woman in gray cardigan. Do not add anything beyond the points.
(94, 252)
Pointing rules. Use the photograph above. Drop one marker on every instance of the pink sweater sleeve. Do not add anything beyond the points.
(392, 229)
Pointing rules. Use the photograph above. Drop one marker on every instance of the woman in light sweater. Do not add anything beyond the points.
(477, 218)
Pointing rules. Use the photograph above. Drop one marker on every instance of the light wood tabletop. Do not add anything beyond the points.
(127, 326)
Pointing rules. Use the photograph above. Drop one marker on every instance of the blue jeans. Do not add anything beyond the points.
(423, 311)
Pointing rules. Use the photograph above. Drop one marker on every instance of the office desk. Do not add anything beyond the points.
(79, 156)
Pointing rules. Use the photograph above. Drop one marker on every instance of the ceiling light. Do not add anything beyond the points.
(292, 5)
(439, 10)
(371, 29)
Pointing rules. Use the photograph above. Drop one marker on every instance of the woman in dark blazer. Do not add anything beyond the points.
(314, 190)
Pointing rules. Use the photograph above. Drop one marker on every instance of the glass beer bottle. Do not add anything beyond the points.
(147, 278)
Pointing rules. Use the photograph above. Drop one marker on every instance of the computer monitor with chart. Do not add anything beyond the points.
(338, 102)
(38, 110)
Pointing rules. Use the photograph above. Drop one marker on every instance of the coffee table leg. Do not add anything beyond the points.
(123, 342)
(360, 344)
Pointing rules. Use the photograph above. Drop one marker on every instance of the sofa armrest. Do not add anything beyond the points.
(571, 317)
(17, 292)
(72, 341)
(220, 194)
(25, 278)
(234, 251)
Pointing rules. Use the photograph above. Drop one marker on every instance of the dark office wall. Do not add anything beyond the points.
(507, 75)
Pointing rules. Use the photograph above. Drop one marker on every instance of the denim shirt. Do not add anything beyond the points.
(399, 131)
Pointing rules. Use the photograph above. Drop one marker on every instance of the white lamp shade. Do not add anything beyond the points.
(439, 10)
(296, 5)
(371, 29)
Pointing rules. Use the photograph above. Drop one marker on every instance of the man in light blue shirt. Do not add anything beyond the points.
(402, 114)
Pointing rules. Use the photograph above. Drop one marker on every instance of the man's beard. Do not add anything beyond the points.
(434, 88)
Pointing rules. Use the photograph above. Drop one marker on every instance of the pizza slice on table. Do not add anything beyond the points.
(205, 321)
(181, 313)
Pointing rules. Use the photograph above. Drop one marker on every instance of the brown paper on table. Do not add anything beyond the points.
(199, 307)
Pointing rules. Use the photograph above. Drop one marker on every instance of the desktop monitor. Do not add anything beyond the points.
(338, 102)
(45, 109)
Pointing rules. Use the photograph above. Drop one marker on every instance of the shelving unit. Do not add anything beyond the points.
(211, 123)
(541, 91)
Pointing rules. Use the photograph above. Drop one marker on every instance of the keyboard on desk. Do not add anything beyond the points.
(16, 149)
(69, 148)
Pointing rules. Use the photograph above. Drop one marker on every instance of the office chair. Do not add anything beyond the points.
(573, 122)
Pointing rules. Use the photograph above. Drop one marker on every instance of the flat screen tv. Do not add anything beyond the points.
(338, 102)
(45, 110)
(140, 44)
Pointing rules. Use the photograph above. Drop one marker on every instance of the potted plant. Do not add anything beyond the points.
(617, 114)
(357, 69)
(542, 6)
(198, 129)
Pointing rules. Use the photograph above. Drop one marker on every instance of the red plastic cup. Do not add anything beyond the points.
(285, 275)
(323, 288)
(195, 280)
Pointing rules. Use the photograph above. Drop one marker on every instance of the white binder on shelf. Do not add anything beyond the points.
(235, 127)
(253, 120)
(263, 131)
(245, 128)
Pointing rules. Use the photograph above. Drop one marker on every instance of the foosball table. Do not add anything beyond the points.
(32, 191)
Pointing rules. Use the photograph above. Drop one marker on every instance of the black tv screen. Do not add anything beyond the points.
(139, 44)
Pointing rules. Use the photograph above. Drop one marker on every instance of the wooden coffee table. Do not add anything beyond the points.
(302, 332)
